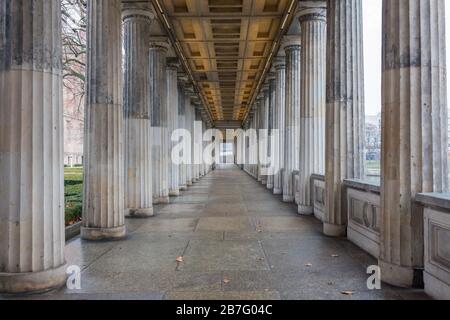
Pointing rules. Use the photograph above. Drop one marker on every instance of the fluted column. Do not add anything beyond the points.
(313, 99)
(31, 147)
(103, 198)
(264, 125)
(173, 106)
(270, 126)
(158, 105)
(181, 125)
(138, 127)
(292, 48)
(197, 142)
(279, 120)
(345, 117)
(190, 143)
(260, 104)
(414, 134)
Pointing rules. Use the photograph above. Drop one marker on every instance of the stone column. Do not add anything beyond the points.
(264, 125)
(189, 128)
(173, 106)
(292, 48)
(270, 125)
(138, 127)
(279, 120)
(181, 125)
(197, 141)
(345, 117)
(31, 147)
(260, 126)
(414, 122)
(103, 198)
(313, 99)
(158, 105)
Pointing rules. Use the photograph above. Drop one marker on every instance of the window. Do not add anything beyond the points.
(372, 20)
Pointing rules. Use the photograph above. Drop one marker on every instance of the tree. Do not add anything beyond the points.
(74, 13)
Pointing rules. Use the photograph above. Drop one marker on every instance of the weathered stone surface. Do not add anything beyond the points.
(414, 122)
(279, 120)
(173, 124)
(345, 116)
(159, 108)
(312, 115)
(292, 48)
(103, 197)
(137, 113)
(31, 147)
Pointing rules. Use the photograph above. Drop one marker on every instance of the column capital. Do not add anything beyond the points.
(270, 76)
(137, 11)
(183, 79)
(312, 11)
(173, 64)
(279, 63)
(159, 43)
(291, 42)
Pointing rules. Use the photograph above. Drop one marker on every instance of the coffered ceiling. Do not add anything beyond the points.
(226, 44)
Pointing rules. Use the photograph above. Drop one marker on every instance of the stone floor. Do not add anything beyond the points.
(237, 240)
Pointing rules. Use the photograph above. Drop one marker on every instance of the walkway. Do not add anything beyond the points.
(236, 240)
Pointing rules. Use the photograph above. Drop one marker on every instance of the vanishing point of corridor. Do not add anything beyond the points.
(226, 237)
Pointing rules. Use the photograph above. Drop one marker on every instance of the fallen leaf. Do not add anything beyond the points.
(348, 293)
(226, 281)
(180, 259)
(335, 255)
(309, 265)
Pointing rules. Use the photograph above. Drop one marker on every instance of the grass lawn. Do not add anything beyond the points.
(73, 190)
(373, 167)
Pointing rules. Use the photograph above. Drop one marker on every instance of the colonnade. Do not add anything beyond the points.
(128, 127)
(320, 72)
(314, 95)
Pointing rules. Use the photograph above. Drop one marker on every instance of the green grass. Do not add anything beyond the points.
(73, 190)
(373, 167)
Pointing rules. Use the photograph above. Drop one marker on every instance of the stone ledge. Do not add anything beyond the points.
(363, 185)
(73, 231)
(319, 177)
(436, 200)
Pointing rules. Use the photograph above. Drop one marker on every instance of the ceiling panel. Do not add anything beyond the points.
(227, 44)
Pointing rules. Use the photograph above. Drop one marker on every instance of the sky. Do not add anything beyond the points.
(372, 53)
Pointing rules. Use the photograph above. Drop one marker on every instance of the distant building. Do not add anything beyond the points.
(373, 137)
(73, 129)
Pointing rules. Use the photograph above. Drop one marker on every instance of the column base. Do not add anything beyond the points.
(396, 275)
(288, 199)
(305, 210)
(189, 183)
(174, 193)
(161, 200)
(277, 191)
(334, 230)
(103, 234)
(270, 186)
(435, 287)
(139, 213)
(183, 188)
(33, 282)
